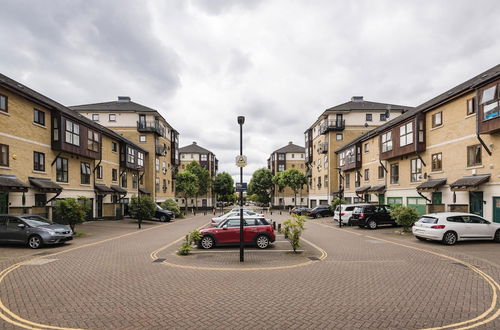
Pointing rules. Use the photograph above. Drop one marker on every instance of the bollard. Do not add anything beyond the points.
(274, 225)
(271, 212)
(279, 227)
(280, 212)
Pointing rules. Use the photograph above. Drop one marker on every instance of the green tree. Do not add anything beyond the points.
(141, 207)
(171, 205)
(203, 179)
(279, 181)
(292, 229)
(336, 202)
(294, 179)
(261, 185)
(71, 211)
(186, 186)
(404, 216)
(224, 187)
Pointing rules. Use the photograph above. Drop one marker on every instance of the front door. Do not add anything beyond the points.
(496, 209)
(381, 199)
(99, 206)
(437, 198)
(4, 202)
(476, 202)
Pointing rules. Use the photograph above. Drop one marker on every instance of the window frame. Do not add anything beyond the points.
(114, 146)
(124, 180)
(471, 106)
(85, 172)
(6, 164)
(439, 158)
(394, 173)
(347, 178)
(114, 175)
(39, 117)
(38, 161)
(100, 172)
(130, 155)
(140, 159)
(94, 116)
(415, 169)
(62, 171)
(367, 174)
(73, 133)
(337, 135)
(406, 135)
(387, 143)
(477, 147)
(369, 117)
(114, 117)
(434, 119)
(93, 143)
(142, 138)
(6, 102)
(381, 172)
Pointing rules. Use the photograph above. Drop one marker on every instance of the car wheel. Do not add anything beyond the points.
(420, 238)
(450, 238)
(497, 236)
(163, 218)
(207, 242)
(372, 224)
(262, 241)
(319, 215)
(35, 242)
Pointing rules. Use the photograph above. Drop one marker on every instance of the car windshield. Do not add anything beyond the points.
(428, 220)
(36, 221)
(158, 207)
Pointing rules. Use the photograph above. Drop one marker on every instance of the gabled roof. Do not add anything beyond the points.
(126, 105)
(194, 148)
(290, 148)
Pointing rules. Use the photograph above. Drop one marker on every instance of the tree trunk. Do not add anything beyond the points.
(295, 198)
(139, 222)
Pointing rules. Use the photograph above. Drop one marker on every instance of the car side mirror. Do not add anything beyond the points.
(21, 226)
(224, 227)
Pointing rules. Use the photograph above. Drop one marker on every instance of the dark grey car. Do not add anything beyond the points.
(32, 230)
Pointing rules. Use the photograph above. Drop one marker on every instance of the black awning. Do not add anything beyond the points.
(362, 190)
(469, 182)
(103, 189)
(431, 184)
(119, 189)
(10, 183)
(378, 189)
(144, 191)
(45, 185)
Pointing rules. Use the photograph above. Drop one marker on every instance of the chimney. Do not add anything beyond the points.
(357, 99)
(194, 142)
(289, 142)
(123, 99)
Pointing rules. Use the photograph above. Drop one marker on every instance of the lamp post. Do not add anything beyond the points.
(241, 121)
(341, 195)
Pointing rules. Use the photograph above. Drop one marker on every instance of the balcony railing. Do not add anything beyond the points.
(151, 126)
(161, 150)
(323, 148)
(332, 125)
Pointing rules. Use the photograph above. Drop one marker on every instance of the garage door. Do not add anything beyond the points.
(417, 203)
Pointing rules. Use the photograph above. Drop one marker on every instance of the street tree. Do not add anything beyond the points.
(294, 179)
(186, 186)
(261, 185)
(203, 179)
(279, 181)
(142, 207)
(224, 187)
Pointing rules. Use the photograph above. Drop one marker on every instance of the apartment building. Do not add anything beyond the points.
(208, 161)
(148, 129)
(48, 151)
(282, 159)
(330, 131)
(441, 156)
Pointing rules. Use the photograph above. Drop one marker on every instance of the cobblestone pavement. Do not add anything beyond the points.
(369, 280)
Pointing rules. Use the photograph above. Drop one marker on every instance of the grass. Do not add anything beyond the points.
(79, 234)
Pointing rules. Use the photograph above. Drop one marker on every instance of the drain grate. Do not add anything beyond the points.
(313, 258)
(159, 260)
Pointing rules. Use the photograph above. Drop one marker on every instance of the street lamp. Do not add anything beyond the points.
(241, 121)
(341, 195)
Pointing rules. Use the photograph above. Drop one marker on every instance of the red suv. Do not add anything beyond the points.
(255, 231)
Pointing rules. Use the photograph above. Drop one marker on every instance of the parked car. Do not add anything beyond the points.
(345, 210)
(246, 213)
(33, 230)
(163, 215)
(320, 211)
(257, 231)
(300, 210)
(450, 227)
(372, 216)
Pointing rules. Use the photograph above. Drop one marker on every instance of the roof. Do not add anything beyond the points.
(118, 189)
(380, 188)
(468, 182)
(144, 191)
(51, 104)
(450, 94)
(103, 188)
(431, 184)
(289, 148)
(45, 184)
(113, 106)
(11, 183)
(194, 148)
(362, 189)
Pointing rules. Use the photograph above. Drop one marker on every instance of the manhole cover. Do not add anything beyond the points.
(313, 258)
(159, 260)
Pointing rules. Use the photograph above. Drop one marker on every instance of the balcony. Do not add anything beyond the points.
(161, 150)
(332, 125)
(150, 126)
(323, 148)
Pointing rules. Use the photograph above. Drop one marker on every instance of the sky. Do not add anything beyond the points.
(202, 63)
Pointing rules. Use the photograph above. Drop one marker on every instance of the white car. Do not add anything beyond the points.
(450, 227)
(346, 210)
(246, 213)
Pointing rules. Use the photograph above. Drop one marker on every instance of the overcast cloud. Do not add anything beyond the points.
(202, 63)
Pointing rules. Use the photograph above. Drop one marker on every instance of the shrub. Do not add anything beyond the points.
(190, 239)
(336, 202)
(71, 211)
(404, 216)
(292, 229)
(142, 208)
(171, 205)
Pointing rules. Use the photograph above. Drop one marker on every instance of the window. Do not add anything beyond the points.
(164, 186)
(124, 180)
(40, 200)
(85, 173)
(394, 173)
(99, 171)
(367, 147)
(3, 103)
(387, 142)
(62, 169)
(157, 185)
(72, 133)
(39, 161)
(383, 117)
(293, 155)
(319, 182)
(192, 156)
(369, 117)
(471, 109)
(114, 146)
(325, 163)
(342, 159)
(406, 134)
(281, 156)
(339, 137)
(301, 155)
(489, 100)
(381, 172)
(134, 181)
(4, 155)
(56, 129)
(281, 168)
(204, 157)
(367, 174)
(357, 180)
(157, 165)
(347, 180)
(140, 159)
(437, 164)
(182, 156)
(437, 119)
(325, 179)
(474, 155)
(416, 170)
(112, 117)
(95, 117)
(93, 140)
(142, 138)
(130, 155)
(114, 174)
(39, 117)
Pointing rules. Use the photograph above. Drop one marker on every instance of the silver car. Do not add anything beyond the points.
(33, 230)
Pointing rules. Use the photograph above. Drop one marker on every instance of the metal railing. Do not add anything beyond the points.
(332, 125)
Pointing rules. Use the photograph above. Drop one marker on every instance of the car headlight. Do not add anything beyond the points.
(51, 232)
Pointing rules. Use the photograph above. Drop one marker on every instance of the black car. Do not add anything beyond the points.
(163, 215)
(320, 211)
(371, 216)
(300, 210)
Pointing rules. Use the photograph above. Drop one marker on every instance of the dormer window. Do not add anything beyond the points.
(93, 141)
(72, 133)
(387, 142)
(490, 102)
(130, 155)
(406, 134)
